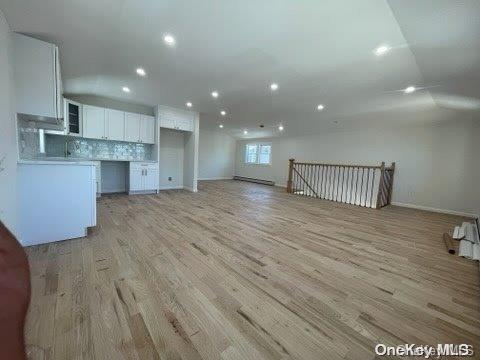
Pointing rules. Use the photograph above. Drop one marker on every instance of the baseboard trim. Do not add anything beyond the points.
(254, 180)
(442, 211)
(171, 188)
(216, 178)
(142, 192)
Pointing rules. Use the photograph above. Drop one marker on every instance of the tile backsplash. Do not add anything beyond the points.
(29, 144)
(96, 149)
(28, 140)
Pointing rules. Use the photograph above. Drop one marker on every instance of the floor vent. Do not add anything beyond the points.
(258, 181)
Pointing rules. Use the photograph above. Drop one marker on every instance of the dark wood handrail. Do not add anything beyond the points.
(345, 165)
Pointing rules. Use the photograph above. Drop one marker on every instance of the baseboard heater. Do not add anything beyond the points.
(258, 181)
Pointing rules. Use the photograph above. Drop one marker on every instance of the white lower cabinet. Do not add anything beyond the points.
(143, 177)
(98, 178)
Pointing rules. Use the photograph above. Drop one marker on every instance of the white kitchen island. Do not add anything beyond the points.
(57, 200)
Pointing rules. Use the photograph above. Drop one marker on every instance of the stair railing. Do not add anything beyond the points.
(362, 185)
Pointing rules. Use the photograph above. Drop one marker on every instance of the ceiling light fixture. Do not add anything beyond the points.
(382, 50)
(169, 39)
(409, 89)
(141, 72)
(189, 104)
(215, 94)
(125, 89)
(280, 128)
(245, 132)
(220, 126)
(274, 87)
(223, 112)
(320, 107)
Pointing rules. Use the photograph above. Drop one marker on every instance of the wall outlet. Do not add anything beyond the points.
(169, 178)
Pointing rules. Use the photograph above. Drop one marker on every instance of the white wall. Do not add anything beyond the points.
(216, 158)
(437, 165)
(8, 145)
(171, 158)
(190, 164)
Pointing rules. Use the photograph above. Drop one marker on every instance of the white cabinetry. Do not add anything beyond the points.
(115, 125)
(38, 83)
(176, 119)
(132, 127)
(139, 128)
(147, 129)
(98, 177)
(106, 124)
(143, 177)
(109, 124)
(93, 122)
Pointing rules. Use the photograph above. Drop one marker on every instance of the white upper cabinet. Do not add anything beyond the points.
(167, 120)
(184, 124)
(176, 119)
(147, 130)
(139, 128)
(109, 124)
(132, 127)
(38, 82)
(115, 125)
(93, 122)
(73, 118)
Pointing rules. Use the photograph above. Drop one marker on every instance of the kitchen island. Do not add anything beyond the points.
(57, 200)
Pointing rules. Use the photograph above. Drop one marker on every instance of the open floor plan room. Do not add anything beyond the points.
(245, 271)
(230, 180)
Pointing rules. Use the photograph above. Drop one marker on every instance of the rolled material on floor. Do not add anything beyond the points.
(459, 232)
(476, 252)
(468, 232)
(449, 243)
(465, 249)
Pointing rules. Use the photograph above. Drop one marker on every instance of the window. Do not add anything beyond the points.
(259, 154)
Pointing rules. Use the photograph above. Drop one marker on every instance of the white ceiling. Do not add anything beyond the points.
(317, 51)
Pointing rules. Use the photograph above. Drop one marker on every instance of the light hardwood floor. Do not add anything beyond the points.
(246, 271)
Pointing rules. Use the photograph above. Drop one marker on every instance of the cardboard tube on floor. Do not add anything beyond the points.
(449, 243)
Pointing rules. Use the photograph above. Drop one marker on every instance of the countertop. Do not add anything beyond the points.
(77, 161)
(56, 162)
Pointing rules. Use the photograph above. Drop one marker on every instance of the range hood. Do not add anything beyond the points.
(38, 82)
(43, 122)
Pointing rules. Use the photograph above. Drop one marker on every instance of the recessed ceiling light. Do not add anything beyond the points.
(125, 89)
(245, 132)
(220, 126)
(280, 128)
(381, 50)
(409, 89)
(141, 72)
(320, 107)
(274, 87)
(189, 104)
(169, 39)
(223, 112)
(215, 94)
